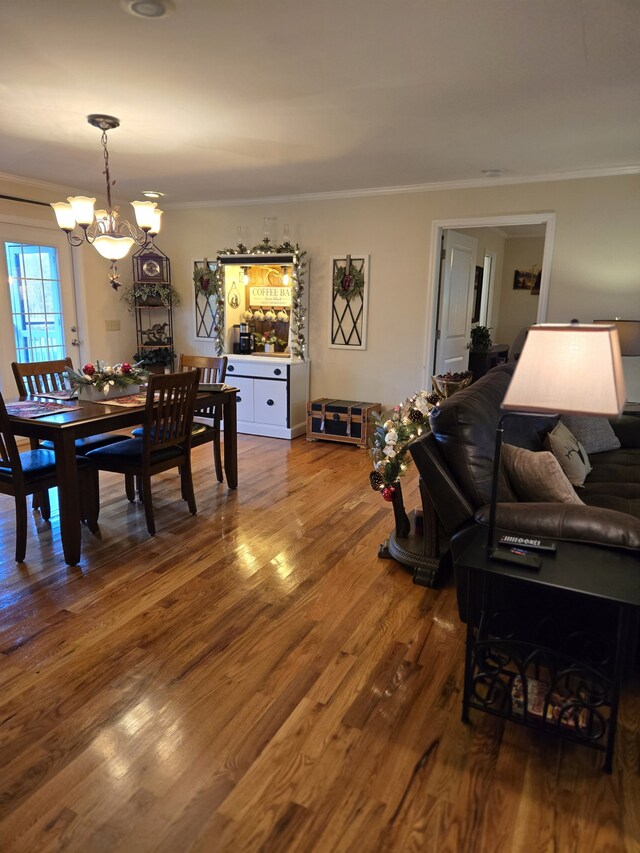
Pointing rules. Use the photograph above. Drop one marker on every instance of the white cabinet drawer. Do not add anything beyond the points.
(244, 397)
(256, 368)
(270, 402)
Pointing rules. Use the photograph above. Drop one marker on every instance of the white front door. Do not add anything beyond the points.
(456, 302)
(38, 320)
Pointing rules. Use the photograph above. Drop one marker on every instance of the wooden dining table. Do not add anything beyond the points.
(88, 418)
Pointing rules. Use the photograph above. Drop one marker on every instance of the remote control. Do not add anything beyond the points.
(513, 541)
(517, 557)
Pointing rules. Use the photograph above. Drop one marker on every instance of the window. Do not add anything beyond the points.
(36, 303)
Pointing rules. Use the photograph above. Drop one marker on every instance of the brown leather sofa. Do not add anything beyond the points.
(455, 461)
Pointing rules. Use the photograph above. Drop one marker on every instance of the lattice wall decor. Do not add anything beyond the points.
(349, 297)
(208, 306)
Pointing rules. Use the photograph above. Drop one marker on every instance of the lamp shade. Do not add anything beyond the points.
(573, 369)
(64, 215)
(82, 207)
(144, 213)
(629, 334)
(113, 247)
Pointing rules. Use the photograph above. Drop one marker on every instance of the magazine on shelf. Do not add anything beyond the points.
(538, 695)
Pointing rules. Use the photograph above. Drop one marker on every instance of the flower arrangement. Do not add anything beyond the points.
(164, 294)
(103, 377)
(393, 434)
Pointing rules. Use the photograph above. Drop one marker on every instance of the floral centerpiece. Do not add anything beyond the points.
(104, 378)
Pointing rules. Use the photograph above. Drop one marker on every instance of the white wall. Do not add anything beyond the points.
(595, 269)
(518, 308)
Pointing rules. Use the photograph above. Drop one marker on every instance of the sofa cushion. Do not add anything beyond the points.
(595, 434)
(569, 452)
(464, 428)
(537, 476)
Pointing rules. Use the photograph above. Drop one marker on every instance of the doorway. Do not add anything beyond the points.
(437, 327)
(38, 317)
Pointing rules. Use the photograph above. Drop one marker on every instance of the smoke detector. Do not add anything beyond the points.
(148, 8)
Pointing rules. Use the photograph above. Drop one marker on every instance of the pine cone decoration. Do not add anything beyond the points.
(433, 398)
(375, 478)
(416, 416)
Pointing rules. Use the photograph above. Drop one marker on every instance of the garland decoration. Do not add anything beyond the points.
(346, 285)
(394, 432)
(298, 311)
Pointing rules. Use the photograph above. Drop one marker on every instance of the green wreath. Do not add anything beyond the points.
(347, 285)
(204, 280)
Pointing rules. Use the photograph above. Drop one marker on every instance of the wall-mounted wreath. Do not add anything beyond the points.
(347, 284)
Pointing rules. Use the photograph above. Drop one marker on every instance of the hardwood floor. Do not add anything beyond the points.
(255, 678)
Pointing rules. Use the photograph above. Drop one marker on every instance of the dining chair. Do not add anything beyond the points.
(213, 370)
(165, 441)
(34, 471)
(42, 377)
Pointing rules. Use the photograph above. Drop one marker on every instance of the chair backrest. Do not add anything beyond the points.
(212, 369)
(9, 454)
(33, 377)
(168, 416)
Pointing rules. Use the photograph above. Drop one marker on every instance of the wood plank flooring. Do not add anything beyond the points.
(254, 678)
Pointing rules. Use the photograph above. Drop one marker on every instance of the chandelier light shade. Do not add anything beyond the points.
(111, 236)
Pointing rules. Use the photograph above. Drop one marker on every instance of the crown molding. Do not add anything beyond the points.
(471, 183)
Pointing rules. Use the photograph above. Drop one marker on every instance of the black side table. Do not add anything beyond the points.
(522, 666)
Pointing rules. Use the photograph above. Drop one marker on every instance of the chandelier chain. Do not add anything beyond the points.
(106, 172)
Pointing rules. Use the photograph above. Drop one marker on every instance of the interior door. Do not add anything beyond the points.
(38, 318)
(455, 305)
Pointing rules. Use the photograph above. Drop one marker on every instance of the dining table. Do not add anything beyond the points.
(80, 419)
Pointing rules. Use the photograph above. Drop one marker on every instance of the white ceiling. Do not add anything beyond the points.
(238, 99)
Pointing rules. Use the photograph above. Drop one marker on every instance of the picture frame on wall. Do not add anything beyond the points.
(349, 301)
(523, 279)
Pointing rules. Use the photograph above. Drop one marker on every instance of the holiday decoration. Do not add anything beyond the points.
(103, 377)
(393, 433)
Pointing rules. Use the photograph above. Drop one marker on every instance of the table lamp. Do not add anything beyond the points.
(629, 334)
(563, 369)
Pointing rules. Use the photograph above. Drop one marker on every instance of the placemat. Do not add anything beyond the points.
(34, 409)
(128, 402)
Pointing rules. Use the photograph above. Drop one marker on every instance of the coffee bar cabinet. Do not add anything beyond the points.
(261, 304)
(272, 395)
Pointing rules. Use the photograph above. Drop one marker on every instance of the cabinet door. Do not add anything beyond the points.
(244, 397)
(270, 402)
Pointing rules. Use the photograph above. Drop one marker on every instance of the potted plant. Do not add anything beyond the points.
(151, 294)
(155, 360)
(480, 339)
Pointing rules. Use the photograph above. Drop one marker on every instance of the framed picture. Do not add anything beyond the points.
(523, 280)
(349, 300)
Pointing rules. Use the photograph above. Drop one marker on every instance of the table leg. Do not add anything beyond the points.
(230, 441)
(68, 496)
(622, 639)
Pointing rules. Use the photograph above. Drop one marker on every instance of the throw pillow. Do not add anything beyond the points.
(537, 476)
(596, 434)
(569, 452)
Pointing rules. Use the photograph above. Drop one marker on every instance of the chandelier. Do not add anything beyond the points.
(111, 236)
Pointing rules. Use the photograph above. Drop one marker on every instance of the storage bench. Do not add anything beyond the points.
(340, 420)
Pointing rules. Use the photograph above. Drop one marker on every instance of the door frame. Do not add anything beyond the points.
(77, 275)
(438, 226)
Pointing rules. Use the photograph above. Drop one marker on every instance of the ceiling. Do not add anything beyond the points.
(241, 99)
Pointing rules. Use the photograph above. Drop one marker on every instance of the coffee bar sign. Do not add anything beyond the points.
(271, 296)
